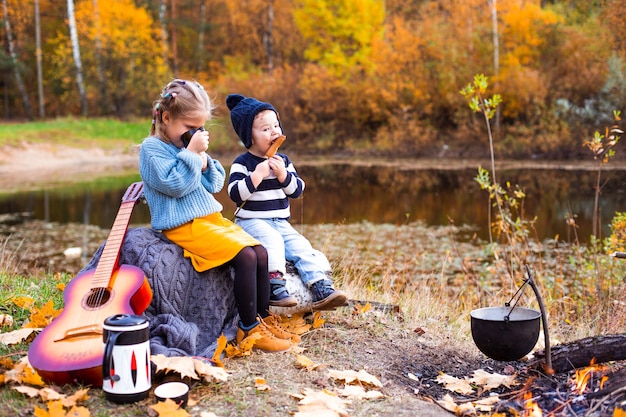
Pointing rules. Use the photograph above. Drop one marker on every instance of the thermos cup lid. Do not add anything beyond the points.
(126, 321)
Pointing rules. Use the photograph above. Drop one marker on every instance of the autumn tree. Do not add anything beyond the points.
(340, 34)
(130, 55)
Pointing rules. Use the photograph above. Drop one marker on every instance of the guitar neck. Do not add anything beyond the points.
(108, 262)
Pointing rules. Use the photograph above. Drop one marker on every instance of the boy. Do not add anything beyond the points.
(261, 187)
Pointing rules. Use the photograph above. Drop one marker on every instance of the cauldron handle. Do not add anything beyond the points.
(544, 320)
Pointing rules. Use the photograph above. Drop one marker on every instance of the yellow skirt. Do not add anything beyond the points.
(210, 241)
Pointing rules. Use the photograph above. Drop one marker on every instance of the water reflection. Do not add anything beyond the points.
(344, 193)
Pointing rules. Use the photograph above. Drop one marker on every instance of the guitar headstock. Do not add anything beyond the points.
(133, 193)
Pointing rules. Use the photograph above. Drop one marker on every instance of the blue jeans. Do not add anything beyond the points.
(284, 243)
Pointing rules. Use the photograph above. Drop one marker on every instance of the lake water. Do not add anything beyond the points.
(342, 193)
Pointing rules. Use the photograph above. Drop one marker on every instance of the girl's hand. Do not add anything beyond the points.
(199, 142)
(277, 164)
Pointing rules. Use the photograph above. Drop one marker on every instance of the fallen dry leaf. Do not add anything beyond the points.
(321, 404)
(55, 409)
(261, 384)
(357, 392)
(304, 362)
(183, 365)
(209, 372)
(490, 381)
(169, 408)
(41, 317)
(6, 320)
(455, 384)
(16, 336)
(350, 376)
(22, 372)
(296, 324)
(361, 309)
(221, 345)
(318, 321)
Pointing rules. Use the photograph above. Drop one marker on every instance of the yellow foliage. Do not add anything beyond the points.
(221, 345)
(55, 409)
(340, 33)
(23, 302)
(41, 317)
(169, 408)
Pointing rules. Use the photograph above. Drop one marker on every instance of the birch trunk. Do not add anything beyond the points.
(496, 53)
(268, 39)
(76, 54)
(42, 108)
(200, 49)
(104, 99)
(14, 63)
(164, 35)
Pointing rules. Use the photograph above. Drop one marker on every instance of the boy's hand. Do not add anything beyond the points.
(261, 171)
(277, 164)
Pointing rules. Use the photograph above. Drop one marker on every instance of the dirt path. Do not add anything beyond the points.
(35, 165)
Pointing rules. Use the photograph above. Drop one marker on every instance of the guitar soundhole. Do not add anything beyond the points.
(97, 297)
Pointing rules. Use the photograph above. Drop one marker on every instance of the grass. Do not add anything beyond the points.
(433, 274)
(103, 133)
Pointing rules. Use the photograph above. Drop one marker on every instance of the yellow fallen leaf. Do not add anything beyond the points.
(296, 324)
(41, 317)
(261, 384)
(16, 373)
(55, 409)
(455, 384)
(361, 309)
(304, 362)
(31, 377)
(318, 321)
(169, 408)
(80, 395)
(221, 345)
(25, 303)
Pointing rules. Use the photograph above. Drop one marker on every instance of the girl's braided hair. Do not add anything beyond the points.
(182, 99)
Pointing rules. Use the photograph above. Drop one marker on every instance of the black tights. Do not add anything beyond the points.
(252, 284)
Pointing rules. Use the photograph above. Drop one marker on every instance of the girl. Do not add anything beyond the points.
(179, 179)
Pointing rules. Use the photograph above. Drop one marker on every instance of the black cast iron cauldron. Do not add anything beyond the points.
(509, 333)
(505, 333)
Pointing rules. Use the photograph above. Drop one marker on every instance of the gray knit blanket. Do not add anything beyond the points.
(189, 309)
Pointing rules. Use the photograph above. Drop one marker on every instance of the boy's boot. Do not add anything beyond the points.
(273, 323)
(325, 297)
(267, 342)
(279, 296)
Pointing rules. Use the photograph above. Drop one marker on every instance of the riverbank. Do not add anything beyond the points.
(38, 165)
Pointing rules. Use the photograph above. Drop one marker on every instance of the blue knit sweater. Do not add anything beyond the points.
(271, 198)
(174, 185)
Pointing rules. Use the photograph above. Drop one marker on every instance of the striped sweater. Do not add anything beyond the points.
(271, 198)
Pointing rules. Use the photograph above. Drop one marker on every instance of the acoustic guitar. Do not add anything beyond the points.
(70, 349)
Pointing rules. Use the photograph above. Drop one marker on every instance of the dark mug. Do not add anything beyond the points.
(126, 370)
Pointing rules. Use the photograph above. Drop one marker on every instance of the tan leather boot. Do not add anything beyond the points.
(273, 325)
(267, 342)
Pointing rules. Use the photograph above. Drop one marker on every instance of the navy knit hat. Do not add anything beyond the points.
(242, 113)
